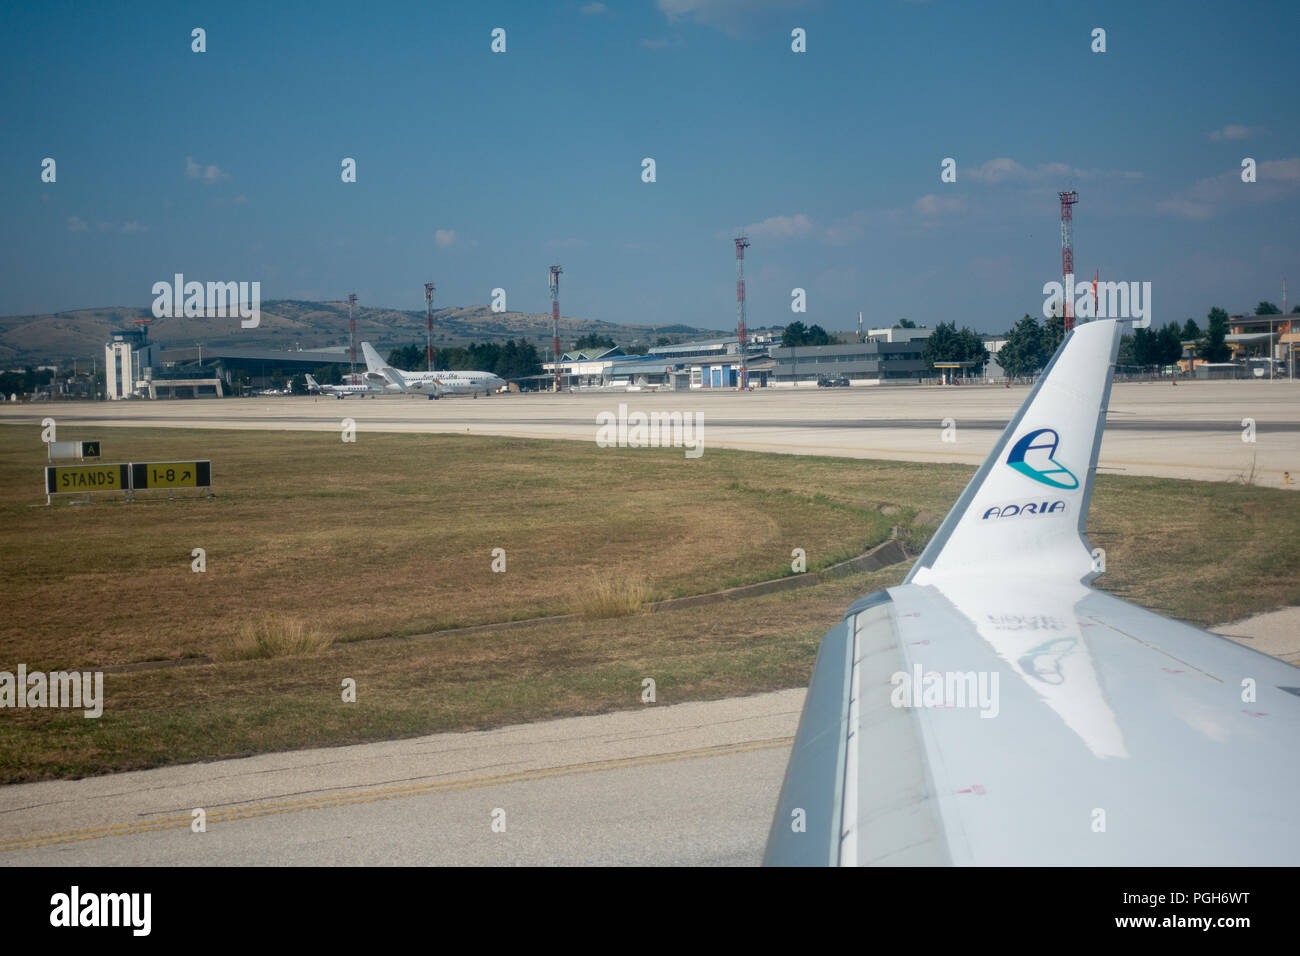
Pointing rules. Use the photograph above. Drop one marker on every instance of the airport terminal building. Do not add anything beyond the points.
(134, 367)
(860, 363)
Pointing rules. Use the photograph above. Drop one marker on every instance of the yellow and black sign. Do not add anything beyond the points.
(78, 479)
(171, 474)
(90, 449)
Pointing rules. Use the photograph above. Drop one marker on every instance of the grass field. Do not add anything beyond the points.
(314, 544)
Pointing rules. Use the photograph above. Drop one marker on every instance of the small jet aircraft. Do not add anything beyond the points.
(343, 391)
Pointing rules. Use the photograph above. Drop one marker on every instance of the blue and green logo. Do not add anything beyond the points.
(1039, 447)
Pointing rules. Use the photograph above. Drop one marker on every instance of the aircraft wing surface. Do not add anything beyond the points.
(995, 709)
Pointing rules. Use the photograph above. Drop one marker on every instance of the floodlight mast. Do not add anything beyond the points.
(352, 339)
(428, 324)
(742, 242)
(555, 323)
(1067, 257)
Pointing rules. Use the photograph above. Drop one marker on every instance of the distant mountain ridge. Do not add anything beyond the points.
(291, 323)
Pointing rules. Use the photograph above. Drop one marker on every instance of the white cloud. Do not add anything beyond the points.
(444, 237)
(798, 226)
(1276, 180)
(77, 224)
(205, 174)
(726, 15)
(849, 229)
(1230, 132)
(997, 170)
(932, 205)
(1286, 170)
(1184, 209)
(134, 227)
(1007, 170)
(590, 9)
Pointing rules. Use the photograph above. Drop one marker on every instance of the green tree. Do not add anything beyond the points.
(1145, 350)
(1216, 348)
(1025, 351)
(816, 335)
(943, 345)
(1191, 331)
(793, 335)
(328, 374)
(973, 349)
(1125, 356)
(904, 324)
(946, 344)
(1053, 334)
(1267, 308)
(594, 340)
(408, 358)
(1169, 344)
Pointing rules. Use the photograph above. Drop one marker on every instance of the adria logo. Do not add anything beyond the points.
(1033, 456)
(1027, 509)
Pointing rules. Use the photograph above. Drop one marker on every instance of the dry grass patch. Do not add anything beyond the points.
(611, 595)
(273, 636)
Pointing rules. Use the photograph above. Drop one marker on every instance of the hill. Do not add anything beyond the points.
(290, 323)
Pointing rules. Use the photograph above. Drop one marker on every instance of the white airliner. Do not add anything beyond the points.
(995, 709)
(433, 384)
(343, 391)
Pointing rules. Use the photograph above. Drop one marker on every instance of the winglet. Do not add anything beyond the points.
(1025, 510)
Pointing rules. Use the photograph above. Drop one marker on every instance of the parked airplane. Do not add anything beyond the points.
(433, 384)
(996, 709)
(343, 391)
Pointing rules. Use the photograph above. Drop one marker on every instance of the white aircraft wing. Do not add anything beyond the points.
(995, 709)
(390, 376)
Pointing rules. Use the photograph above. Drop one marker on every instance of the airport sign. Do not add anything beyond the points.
(73, 449)
(82, 479)
(171, 474)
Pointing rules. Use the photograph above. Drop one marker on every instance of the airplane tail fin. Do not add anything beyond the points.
(312, 384)
(374, 362)
(1025, 510)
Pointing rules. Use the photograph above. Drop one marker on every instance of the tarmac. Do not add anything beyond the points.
(1246, 431)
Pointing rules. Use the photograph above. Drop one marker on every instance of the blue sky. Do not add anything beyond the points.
(479, 170)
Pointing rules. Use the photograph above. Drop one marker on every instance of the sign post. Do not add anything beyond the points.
(127, 478)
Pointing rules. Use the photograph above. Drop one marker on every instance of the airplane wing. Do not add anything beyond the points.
(390, 376)
(995, 709)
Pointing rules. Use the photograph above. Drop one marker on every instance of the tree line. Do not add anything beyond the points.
(508, 359)
(1031, 344)
(947, 344)
(796, 335)
(25, 382)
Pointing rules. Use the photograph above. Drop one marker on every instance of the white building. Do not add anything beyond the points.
(125, 359)
(898, 334)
